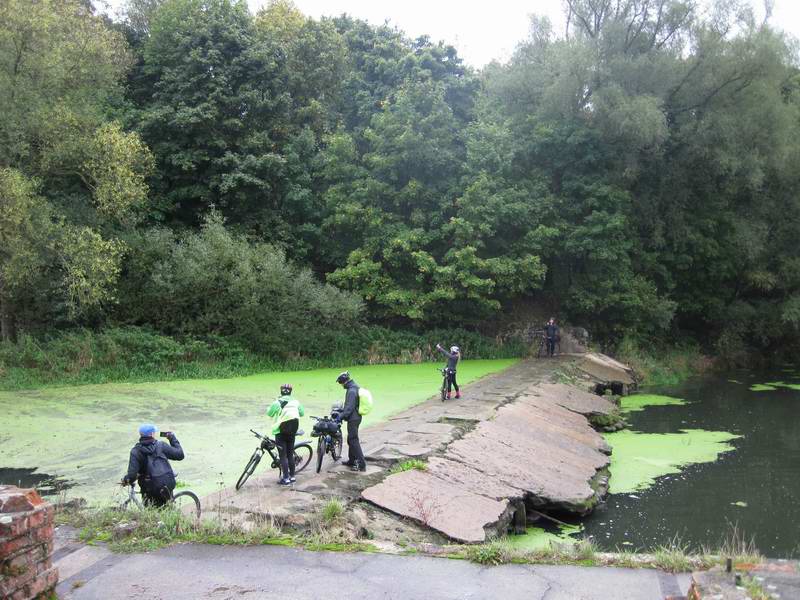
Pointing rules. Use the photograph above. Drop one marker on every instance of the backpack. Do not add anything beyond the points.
(365, 401)
(158, 467)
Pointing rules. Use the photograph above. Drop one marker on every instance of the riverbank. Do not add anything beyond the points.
(129, 355)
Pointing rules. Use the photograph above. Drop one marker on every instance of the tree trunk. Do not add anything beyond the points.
(7, 333)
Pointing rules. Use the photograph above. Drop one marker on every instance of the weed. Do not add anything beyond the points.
(737, 547)
(151, 528)
(408, 465)
(754, 589)
(495, 552)
(674, 557)
(332, 511)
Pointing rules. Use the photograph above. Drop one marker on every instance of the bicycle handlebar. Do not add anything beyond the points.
(258, 435)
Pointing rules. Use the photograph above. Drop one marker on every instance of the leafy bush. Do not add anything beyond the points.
(216, 282)
(662, 366)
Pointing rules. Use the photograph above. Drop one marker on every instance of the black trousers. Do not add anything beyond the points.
(451, 381)
(285, 443)
(354, 453)
(157, 493)
(551, 346)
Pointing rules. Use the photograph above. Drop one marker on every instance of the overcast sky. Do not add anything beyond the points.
(481, 31)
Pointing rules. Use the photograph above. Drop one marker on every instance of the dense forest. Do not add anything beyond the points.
(300, 187)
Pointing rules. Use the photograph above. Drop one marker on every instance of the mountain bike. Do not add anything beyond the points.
(329, 434)
(185, 501)
(302, 456)
(542, 351)
(444, 371)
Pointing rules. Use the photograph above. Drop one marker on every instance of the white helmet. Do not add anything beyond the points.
(455, 349)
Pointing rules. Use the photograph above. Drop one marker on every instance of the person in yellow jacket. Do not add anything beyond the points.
(286, 413)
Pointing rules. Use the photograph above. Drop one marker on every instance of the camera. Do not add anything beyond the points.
(165, 433)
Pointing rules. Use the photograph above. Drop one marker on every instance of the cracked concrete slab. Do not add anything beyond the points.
(535, 445)
(451, 509)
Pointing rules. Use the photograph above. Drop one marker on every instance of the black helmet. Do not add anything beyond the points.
(286, 389)
(343, 377)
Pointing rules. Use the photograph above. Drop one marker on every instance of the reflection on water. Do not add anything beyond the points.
(757, 486)
(46, 485)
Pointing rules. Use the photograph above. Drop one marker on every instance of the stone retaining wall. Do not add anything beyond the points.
(26, 545)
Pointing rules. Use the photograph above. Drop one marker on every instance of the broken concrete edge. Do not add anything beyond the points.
(516, 502)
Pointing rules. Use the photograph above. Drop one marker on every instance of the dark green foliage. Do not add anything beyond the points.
(637, 175)
(215, 282)
(139, 354)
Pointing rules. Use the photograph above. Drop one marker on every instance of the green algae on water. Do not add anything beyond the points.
(638, 459)
(637, 402)
(762, 387)
(84, 433)
(771, 386)
(536, 538)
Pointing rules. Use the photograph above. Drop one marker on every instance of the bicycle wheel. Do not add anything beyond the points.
(248, 470)
(188, 503)
(336, 447)
(444, 388)
(541, 349)
(320, 453)
(302, 456)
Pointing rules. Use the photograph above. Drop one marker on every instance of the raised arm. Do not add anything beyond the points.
(174, 450)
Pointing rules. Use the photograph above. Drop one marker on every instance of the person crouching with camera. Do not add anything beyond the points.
(149, 464)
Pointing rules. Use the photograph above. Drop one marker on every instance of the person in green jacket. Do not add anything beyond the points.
(286, 412)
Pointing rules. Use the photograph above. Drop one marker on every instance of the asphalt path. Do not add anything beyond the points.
(252, 572)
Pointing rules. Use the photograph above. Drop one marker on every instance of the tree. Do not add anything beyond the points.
(68, 177)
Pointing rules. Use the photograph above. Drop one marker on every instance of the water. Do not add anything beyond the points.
(755, 487)
(45, 484)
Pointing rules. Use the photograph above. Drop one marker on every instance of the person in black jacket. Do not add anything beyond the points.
(353, 417)
(452, 363)
(149, 464)
(551, 334)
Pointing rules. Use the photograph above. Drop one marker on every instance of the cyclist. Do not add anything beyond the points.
(452, 362)
(551, 334)
(286, 412)
(149, 464)
(350, 414)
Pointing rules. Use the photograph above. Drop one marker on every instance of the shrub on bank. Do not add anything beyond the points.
(662, 365)
(140, 354)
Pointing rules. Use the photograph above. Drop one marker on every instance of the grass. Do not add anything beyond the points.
(740, 549)
(135, 355)
(408, 465)
(149, 529)
(674, 557)
(144, 530)
(500, 551)
(754, 589)
(332, 511)
(662, 366)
